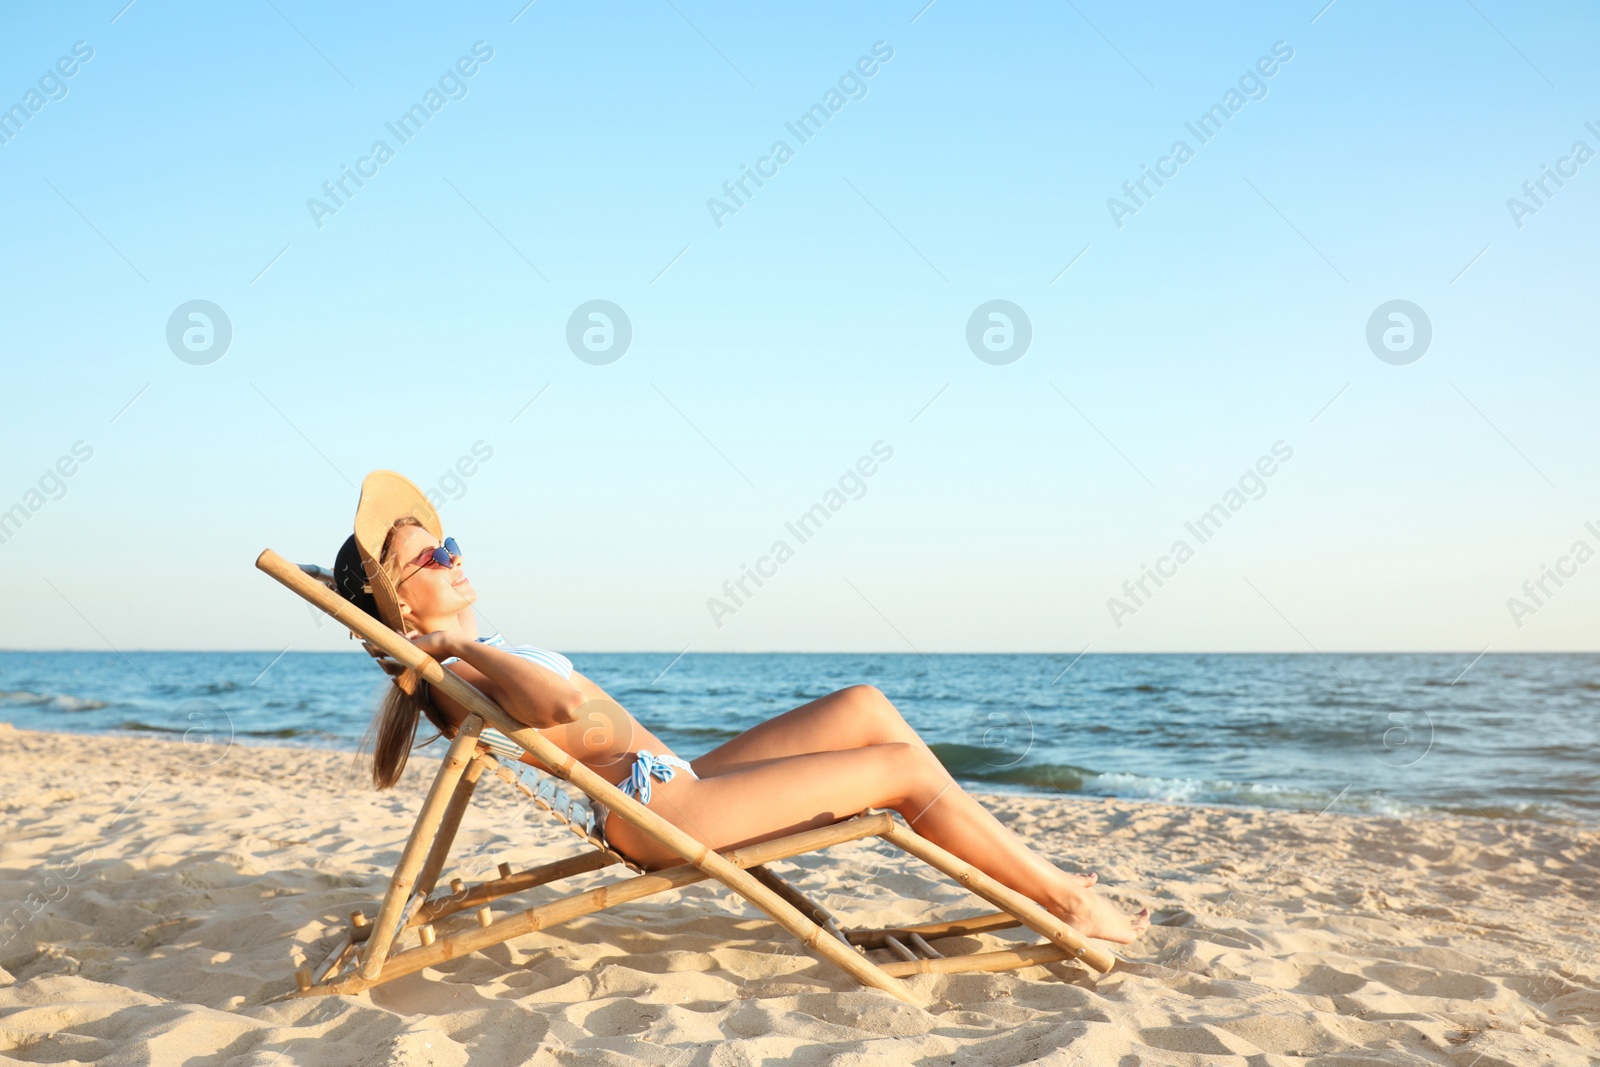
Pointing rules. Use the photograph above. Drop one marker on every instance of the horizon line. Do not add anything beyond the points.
(856, 652)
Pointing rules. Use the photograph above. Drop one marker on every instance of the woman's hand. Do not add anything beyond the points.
(441, 644)
(438, 644)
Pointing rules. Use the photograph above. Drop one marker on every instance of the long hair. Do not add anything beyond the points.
(393, 729)
(392, 733)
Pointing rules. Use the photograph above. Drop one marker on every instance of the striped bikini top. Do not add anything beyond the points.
(553, 661)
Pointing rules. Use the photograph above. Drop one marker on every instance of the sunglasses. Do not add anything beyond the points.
(443, 556)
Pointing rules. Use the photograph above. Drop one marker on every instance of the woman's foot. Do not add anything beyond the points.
(1094, 916)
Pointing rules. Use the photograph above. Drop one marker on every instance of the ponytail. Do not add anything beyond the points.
(393, 728)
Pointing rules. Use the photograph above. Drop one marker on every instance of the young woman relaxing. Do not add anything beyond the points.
(823, 761)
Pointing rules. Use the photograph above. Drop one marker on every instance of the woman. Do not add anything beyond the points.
(823, 761)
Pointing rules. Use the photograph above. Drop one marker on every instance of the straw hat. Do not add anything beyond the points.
(387, 497)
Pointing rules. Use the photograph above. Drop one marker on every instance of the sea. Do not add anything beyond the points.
(1495, 736)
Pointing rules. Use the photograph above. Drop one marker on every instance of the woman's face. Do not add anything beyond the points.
(433, 594)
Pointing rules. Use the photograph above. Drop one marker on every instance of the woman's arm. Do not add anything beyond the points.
(529, 693)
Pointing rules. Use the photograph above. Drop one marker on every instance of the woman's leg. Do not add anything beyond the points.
(786, 795)
(850, 718)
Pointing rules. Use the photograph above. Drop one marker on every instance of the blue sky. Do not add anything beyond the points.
(829, 312)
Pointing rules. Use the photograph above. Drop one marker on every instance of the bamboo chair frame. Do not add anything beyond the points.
(368, 952)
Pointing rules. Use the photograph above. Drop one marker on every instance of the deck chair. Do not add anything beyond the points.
(490, 742)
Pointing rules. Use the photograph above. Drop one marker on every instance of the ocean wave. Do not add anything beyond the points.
(701, 731)
(138, 726)
(53, 701)
(1129, 786)
(190, 689)
(996, 767)
(1000, 765)
(222, 732)
(1543, 812)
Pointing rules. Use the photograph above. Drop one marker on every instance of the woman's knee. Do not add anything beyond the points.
(872, 705)
(868, 694)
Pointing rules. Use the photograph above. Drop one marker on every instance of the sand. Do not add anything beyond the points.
(152, 892)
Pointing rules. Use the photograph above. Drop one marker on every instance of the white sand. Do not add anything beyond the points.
(150, 899)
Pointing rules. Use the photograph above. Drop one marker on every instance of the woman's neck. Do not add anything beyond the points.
(464, 623)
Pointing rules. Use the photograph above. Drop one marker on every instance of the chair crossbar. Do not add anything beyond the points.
(977, 924)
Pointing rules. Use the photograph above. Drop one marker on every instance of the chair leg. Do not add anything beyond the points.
(445, 838)
(1032, 915)
(816, 912)
(422, 835)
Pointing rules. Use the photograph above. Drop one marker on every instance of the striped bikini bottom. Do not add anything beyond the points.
(647, 767)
